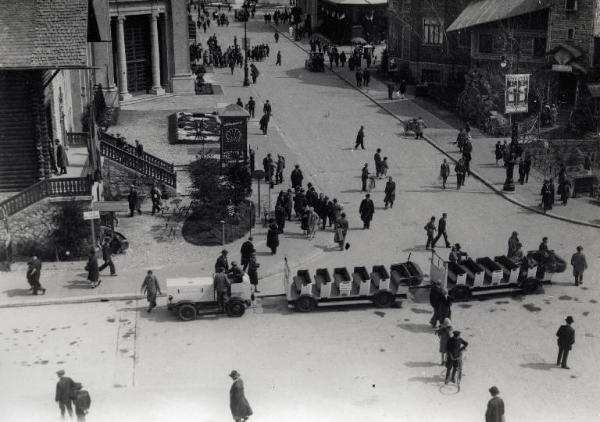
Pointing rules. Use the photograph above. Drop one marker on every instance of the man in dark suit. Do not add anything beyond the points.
(246, 251)
(455, 347)
(366, 210)
(222, 261)
(566, 339)
(441, 231)
(64, 393)
(251, 107)
(133, 200)
(360, 138)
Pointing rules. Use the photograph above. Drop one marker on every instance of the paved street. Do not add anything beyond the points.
(353, 364)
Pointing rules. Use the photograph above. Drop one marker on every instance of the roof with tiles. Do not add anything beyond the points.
(44, 33)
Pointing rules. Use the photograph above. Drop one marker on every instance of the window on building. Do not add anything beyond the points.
(431, 76)
(464, 38)
(539, 47)
(486, 43)
(525, 46)
(570, 34)
(432, 31)
(570, 5)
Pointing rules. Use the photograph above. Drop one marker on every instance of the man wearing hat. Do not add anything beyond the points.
(495, 407)
(566, 339)
(240, 408)
(454, 350)
(133, 200)
(579, 265)
(441, 231)
(64, 393)
(222, 261)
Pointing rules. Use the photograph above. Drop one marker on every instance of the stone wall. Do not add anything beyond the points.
(118, 178)
(31, 230)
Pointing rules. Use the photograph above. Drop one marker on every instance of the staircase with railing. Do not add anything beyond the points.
(59, 187)
(146, 164)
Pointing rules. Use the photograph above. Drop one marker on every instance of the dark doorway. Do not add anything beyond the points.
(567, 85)
(137, 53)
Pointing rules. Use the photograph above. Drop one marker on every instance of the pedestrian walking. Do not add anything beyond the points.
(444, 333)
(466, 155)
(343, 59)
(92, 268)
(360, 138)
(364, 176)
(495, 407)
(366, 211)
(34, 271)
(276, 36)
(441, 231)
(280, 168)
(358, 76)
(240, 408)
(341, 230)
(444, 172)
(156, 197)
(64, 393)
(267, 109)
(579, 264)
(460, 171)
(280, 217)
(444, 309)
(288, 204)
(435, 294)
(498, 153)
(254, 73)
(273, 238)
(455, 346)
(430, 230)
(390, 193)
(139, 148)
(107, 257)
(278, 60)
(267, 167)
(239, 102)
(378, 160)
(134, 201)
(402, 89)
(264, 123)
(222, 261)
(151, 288)
(62, 160)
(384, 167)
(251, 107)
(221, 287)
(81, 401)
(296, 177)
(527, 167)
(253, 271)
(564, 189)
(246, 251)
(565, 341)
(513, 241)
(420, 125)
(547, 195)
(366, 77)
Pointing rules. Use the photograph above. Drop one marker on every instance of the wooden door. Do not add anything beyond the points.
(138, 53)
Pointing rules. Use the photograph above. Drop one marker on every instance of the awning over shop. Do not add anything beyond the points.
(357, 2)
(46, 34)
(485, 11)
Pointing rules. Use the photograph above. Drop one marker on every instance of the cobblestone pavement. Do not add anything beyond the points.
(362, 364)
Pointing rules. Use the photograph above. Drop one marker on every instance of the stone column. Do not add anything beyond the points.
(182, 80)
(156, 87)
(103, 56)
(123, 91)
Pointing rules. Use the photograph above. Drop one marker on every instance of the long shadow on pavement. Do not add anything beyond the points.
(17, 292)
(539, 366)
(416, 328)
(420, 364)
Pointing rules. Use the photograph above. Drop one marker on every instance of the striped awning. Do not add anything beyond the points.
(480, 12)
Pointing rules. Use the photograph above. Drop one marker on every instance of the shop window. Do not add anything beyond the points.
(486, 43)
(432, 31)
(539, 47)
(525, 46)
(571, 5)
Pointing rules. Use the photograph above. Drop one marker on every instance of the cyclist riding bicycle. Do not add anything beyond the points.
(454, 350)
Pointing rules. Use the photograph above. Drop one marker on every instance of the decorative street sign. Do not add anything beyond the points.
(516, 93)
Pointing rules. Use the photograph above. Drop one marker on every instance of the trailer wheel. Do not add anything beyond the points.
(186, 312)
(530, 285)
(383, 299)
(235, 308)
(305, 304)
(461, 292)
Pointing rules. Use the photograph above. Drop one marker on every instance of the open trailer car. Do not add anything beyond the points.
(481, 276)
(306, 291)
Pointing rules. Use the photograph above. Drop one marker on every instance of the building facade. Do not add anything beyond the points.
(420, 47)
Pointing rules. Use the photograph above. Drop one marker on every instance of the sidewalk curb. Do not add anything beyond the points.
(440, 149)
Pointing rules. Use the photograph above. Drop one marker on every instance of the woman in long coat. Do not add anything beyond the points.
(240, 408)
(151, 287)
(92, 269)
(547, 196)
(273, 238)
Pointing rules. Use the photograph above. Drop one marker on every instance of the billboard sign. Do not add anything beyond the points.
(516, 95)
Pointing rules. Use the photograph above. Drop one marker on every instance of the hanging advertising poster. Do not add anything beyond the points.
(516, 95)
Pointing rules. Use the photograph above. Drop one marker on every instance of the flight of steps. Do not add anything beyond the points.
(564, 113)
(18, 162)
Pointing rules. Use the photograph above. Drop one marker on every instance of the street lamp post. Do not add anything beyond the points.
(246, 16)
(509, 184)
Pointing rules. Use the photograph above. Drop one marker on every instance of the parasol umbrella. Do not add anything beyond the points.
(358, 40)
